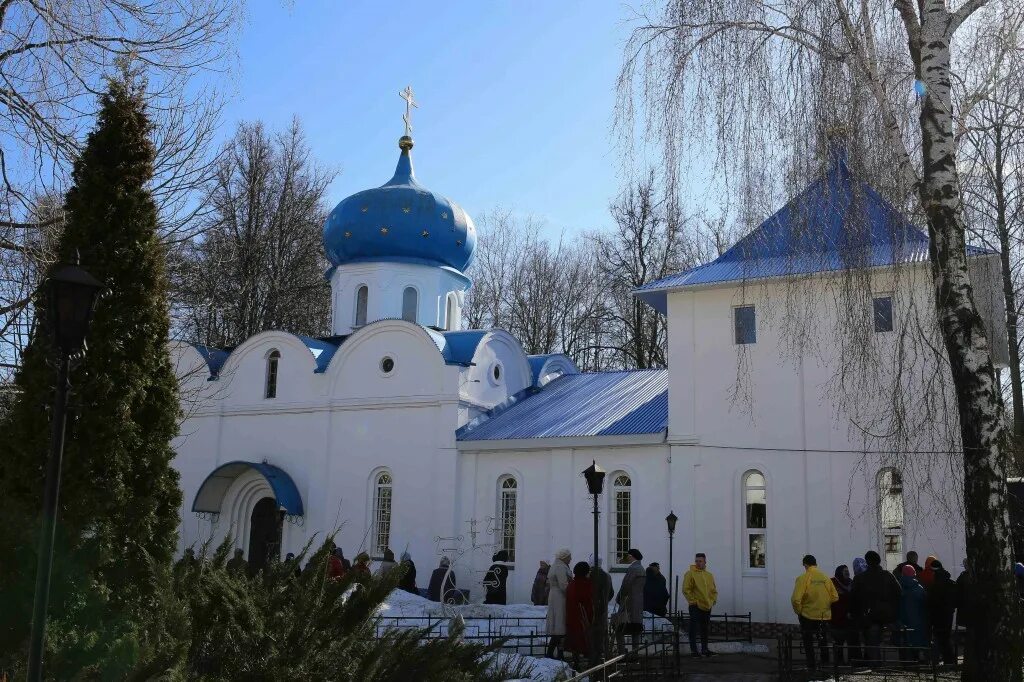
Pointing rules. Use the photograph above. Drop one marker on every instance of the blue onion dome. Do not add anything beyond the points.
(400, 221)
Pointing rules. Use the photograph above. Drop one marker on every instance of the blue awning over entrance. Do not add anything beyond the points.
(215, 487)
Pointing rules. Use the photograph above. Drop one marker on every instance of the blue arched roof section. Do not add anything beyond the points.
(321, 350)
(537, 363)
(211, 493)
(461, 346)
(214, 357)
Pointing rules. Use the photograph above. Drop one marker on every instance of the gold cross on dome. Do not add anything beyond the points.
(409, 105)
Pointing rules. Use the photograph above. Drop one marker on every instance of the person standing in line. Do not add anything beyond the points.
(362, 567)
(913, 614)
(926, 576)
(963, 595)
(629, 619)
(579, 613)
(539, 593)
(941, 600)
(496, 579)
(388, 564)
(408, 581)
(813, 596)
(876, 602)
(440, 588)
(701, 594)
(655, 591)
(603, 593)
(237, 562)
(911, 561)
(558, 583)
(841, 623)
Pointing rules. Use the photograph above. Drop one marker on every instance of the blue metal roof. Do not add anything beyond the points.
(573, 405)
(322, 351)
(400, 221)
(214, 357)
(211, 493)
(836, 223)
(460, 347)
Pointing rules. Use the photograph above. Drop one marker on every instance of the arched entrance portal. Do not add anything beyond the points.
(264, 533)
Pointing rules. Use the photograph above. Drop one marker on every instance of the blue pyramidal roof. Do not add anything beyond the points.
(837, 222)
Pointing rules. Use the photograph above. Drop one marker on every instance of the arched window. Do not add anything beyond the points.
(755, 520)
(381, 513)
(449, 313)
(362, 300)
(621, 518)
(508, 491)
(270, 388)
(410, 301)
(890, 515)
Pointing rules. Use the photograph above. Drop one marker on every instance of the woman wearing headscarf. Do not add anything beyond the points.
(408, 581)
(841, 624)
(558, 583)
(579, 613)
(913, 613)
(496, 579)
(539, 593)
(928, 573)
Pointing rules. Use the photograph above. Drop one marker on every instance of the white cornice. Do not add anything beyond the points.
(562, 442)
(346, 404)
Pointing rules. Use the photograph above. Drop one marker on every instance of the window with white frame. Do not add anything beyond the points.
(382, 486)
(755, 521)
(890, 515)
(362, 301)
(621, 518)
(410, 301)
(270, 387)
(508, 498)
(449, 313)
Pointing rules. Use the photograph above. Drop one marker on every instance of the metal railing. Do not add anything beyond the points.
(861, 659)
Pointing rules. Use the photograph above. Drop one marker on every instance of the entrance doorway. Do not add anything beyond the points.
(264, 534)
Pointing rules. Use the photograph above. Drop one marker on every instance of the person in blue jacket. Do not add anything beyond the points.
(913, 613)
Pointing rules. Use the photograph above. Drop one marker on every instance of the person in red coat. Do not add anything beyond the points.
(579, 613)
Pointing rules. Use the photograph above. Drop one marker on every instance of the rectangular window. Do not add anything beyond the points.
(508, 522)
(745, 324)
(622, 525)
(883, 313)
(756, 545)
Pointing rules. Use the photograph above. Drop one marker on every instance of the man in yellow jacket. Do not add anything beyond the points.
(701, 594)
(813, 596)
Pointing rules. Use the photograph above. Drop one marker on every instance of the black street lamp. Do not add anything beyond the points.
(595, 483)
(72, 299)
(670, 520)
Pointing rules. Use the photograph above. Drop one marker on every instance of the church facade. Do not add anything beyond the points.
(403, 430)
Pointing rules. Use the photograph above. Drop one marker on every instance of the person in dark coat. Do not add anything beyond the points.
(963, 595)
(603, 593)
(408, 581)
(913, 614)
(496, 579)
(655, 591)
(237, 562)
(876, 600)
(911, 561)
(436, 591)
(941, 598)
(579, 613)
(629, 619)
(841, 624)
(539, 593)
(336, 565)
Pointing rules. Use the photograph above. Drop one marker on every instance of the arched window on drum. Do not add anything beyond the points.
(382, 496)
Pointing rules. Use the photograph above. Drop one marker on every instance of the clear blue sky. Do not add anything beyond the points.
(516, 98)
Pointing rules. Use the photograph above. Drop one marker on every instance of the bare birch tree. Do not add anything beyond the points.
(763, 76)
(259, 263)
(54, 59)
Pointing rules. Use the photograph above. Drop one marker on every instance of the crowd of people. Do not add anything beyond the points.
(912, 607)
(851, 613)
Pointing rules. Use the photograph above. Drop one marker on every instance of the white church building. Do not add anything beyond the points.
(404, 430)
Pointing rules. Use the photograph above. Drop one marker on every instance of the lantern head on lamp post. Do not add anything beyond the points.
(73, 293)
(595, 483)
(671, 521)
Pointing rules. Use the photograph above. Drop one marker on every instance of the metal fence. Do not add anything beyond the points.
(883, 660)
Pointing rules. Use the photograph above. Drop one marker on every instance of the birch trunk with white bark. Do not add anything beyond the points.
(994, 638)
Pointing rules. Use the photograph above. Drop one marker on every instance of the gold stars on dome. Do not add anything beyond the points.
(385, 230)
(348, 235)
(406, 209)
(364, 209)
(424, 233)
(444, 215)
(458, 242)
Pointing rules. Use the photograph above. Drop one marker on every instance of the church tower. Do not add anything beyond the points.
(398, 251)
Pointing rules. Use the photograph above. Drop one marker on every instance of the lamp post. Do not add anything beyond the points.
(72, 294)
(595, 483)
(670, 520)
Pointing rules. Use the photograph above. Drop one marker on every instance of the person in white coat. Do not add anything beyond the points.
(558, 580)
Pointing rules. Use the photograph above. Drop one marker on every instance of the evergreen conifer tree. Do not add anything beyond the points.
(119, 497)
